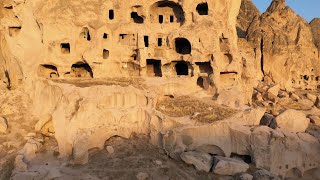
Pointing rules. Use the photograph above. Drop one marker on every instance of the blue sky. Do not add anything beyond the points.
(308, 9)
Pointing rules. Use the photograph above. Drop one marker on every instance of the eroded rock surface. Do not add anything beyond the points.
(216, 84)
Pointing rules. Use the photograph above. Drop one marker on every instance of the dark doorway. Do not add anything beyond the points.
(146, 41)
(111, 14)
(154, 68)
(105, 54)
(171, 18)
(159, 42)
(81, 69)
(160, 19)
(105, 36)
(182, 68)
(183, 46)
(203, 9)
(65, 48)
(136, 18)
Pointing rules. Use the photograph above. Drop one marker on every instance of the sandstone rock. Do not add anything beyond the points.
(80, 151)
(142, 176)
(315, 120)
(3, 125)
(293, 121)
(110, 149)
(312, 97)
(273, 93)
(317, 102)
(306, 103)
(201, 161)
(294, 97)
(44, 120)
(19, 164)
(248, 12)
(274, 34)
(264, 175)
(31, 148)
(228, 166)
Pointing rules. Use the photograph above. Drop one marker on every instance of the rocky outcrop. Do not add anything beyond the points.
(248, 12)
(276, 151)
(292, 121)
(284, 47)
(315, 28)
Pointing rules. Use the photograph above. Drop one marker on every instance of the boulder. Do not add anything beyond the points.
(31, 148)
(3, 125)
(267, 119)
(306, 103)
(292, 121)
(201, 161)
(228, 166)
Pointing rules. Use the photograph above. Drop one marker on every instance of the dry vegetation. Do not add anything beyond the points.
(187, 106)
(122, 81)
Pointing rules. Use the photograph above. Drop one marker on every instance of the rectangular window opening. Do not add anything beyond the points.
(160, 19)
(159, 42)
(146, 41)
(65, 48)
(171, 18)
(111, 14)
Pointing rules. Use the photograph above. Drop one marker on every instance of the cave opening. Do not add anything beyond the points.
(183, 46)
(154, 68)
(182, 68)
(136, 18)
(202, 9)
(81, 70)
(65, 48)
(105, 54)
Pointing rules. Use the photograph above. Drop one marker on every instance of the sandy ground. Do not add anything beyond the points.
(131, 157)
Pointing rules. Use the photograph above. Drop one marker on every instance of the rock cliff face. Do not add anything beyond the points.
(212, 83)
(315, 28)
(284, 47)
